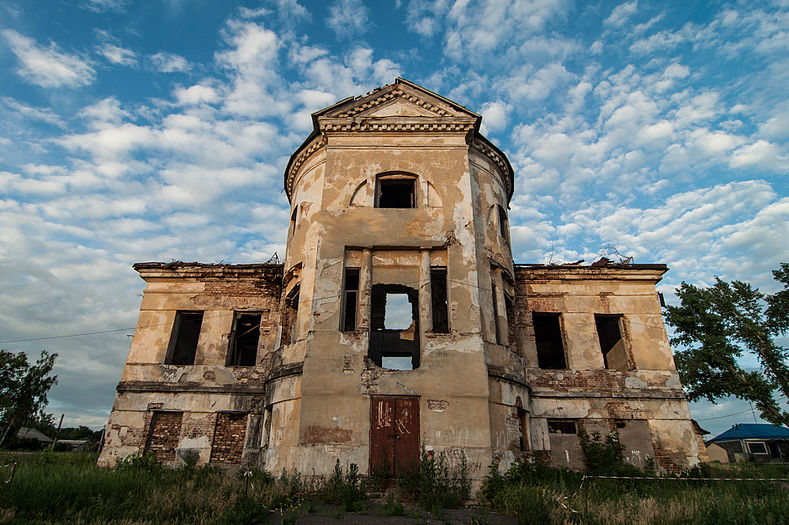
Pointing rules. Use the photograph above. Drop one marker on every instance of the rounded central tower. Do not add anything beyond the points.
(397, 282)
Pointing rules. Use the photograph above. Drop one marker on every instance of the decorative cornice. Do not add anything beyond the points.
(395, 93)
(497, 159)
(383, 125)
(316, 144)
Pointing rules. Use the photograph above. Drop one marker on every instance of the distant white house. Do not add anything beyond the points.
(32, 433)
(758, 442)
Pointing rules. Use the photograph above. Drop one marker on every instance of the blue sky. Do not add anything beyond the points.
(159, 130)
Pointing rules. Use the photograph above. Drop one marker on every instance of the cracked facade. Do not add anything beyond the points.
(398, 321)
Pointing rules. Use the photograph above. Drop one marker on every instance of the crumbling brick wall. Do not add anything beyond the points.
(164, 435)
(229, 438)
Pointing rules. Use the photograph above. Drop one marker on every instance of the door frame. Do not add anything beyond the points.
(394, 397)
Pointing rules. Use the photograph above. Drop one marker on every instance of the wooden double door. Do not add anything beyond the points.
(394, 434)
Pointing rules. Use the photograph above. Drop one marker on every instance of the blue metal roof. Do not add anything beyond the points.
(753, 431)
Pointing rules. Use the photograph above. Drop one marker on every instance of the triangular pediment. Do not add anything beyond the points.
(402, 99)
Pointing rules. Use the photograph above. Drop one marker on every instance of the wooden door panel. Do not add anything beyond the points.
(406, 433)
(382, 430)
(394, 434)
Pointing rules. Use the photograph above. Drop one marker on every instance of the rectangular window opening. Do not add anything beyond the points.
(562, 426)
(289, 318)
(550, 344)
(438, 293)
(611, 342)
(397, 193)
(757, 447)
(394, 327)
(244, 339)
(183, 340)
(523, 420)
(494, 296)
(350, 299)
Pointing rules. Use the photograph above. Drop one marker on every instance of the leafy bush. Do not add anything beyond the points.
(346, 490)
(603, 456)
(432, 483)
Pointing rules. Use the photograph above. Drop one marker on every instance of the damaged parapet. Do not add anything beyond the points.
(397, 322)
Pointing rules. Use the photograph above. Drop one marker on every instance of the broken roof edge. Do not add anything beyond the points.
(609, 266)
(399, 80)
(174, 265)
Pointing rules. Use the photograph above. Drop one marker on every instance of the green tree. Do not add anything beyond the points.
(714, 326)
(23, 389)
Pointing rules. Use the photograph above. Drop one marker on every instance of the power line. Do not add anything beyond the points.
(65, 336)
(727, 415)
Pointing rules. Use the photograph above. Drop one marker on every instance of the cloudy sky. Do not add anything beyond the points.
(159, 130)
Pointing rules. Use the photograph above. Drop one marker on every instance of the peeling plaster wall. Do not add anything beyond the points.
(309, 399)
(209, 386)
(647, 399)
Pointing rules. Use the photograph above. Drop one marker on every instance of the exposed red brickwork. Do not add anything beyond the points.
(229, 438)
(163, 438)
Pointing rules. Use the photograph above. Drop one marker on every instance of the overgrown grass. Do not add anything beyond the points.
(69, 488)
(537, 493)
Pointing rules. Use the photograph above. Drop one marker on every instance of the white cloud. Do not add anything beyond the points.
(101, 6)
(118, 55)
(170, 63)
(48, 67)
(760, 154)
(621, 14)
(348, 18)
(30, 112)
(103, 112)
(197, 94)
(495, 115)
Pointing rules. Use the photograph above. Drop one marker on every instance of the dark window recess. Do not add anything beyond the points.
(523, 421)
(494, 296)
(562, 426)
(394, 327)
(397, 193)
(611, 342)
(350, 299)
(438, 293)
(289, 318)
(548, 336)
(509, 311)
(244, 340)
(757, 447)
(620, 423)
(183, 340)
(504, 227)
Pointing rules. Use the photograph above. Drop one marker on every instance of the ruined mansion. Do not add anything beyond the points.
(398, 322)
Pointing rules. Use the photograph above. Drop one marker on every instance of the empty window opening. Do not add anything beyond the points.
(183, 340)
(289, 317)
(508, 310)
(438, 294)
(757, 447)
(494, 296)
(229, 436)
(394, 327)
(350, 298)
(293, 217)
(396, 193)
(504, 226)
(562, 426)
(244, 340)
(611, 342)
(548, 337)
(164, 434)
(620, 423)
(523, 423)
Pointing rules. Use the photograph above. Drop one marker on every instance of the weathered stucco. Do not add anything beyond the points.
(476, 379)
